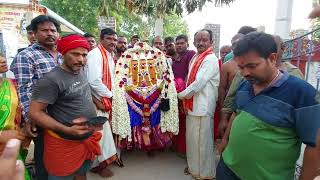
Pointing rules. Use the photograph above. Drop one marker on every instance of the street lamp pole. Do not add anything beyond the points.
(283, 18)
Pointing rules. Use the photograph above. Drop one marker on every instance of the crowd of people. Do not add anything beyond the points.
(61, 98)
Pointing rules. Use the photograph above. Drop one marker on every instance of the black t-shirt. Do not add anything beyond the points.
(68, 96)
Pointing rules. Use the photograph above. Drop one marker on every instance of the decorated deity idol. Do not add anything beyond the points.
(144, 104)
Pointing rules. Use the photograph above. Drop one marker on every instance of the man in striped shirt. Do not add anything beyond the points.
(29, 66)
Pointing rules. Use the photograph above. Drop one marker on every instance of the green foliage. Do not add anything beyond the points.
(174, 25)
(84, 13)
(160, 8)
(81, 13)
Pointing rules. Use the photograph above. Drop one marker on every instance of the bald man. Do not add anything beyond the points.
(224, 50)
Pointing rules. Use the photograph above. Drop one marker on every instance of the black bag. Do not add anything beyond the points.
(165, 104)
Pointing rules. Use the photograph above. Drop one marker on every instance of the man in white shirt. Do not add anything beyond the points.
(100, 72)
(200, 98)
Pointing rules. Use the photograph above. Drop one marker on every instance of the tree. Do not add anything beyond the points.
(81, 13)
(174, 25)
(163, 7)
(160, 8)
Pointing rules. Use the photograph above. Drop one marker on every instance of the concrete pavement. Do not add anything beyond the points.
(138, 166)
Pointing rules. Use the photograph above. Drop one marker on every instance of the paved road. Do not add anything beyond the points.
(138, 166)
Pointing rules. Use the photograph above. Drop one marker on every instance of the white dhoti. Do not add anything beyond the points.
(200, 147)
(108, 149)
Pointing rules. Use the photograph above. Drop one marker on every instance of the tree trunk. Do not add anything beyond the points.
(158, 29)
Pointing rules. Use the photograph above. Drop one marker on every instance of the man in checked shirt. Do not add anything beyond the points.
(29, 66)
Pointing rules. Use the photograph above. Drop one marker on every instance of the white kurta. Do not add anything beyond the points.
(94, 72)
(199, 124)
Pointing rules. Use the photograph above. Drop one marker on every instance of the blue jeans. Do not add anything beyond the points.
(224, 172)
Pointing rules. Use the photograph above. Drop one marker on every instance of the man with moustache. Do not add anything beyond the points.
(28, 67)
(275, 113)
(62, 105)
(180, 68)
(91, 40)
(133, 40)
(200, 97)
(158, 43)
(122, 46)
(100, 73)
(170, 47)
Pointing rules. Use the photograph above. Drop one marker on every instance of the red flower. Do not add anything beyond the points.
(159, 53)
(128, 56)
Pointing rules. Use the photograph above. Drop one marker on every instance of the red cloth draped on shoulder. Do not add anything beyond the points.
(106, 77)
(188, 103)
(63, 157)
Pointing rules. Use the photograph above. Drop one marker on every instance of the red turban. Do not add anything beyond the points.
(67, 43)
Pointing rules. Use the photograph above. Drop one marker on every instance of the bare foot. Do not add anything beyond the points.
(105, 173)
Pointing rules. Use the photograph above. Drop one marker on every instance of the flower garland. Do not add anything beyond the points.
(153, 108)
(120, 116)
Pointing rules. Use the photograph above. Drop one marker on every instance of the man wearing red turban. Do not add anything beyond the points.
(61, 104)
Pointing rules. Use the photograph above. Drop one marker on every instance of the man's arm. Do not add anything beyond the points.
(22, 69)
(307, 128)
(223, 84)
(45, 92)
(226, 134)
(41, 118)
(208, 70)
(94, 75)
(310, 167)
(228, 106)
